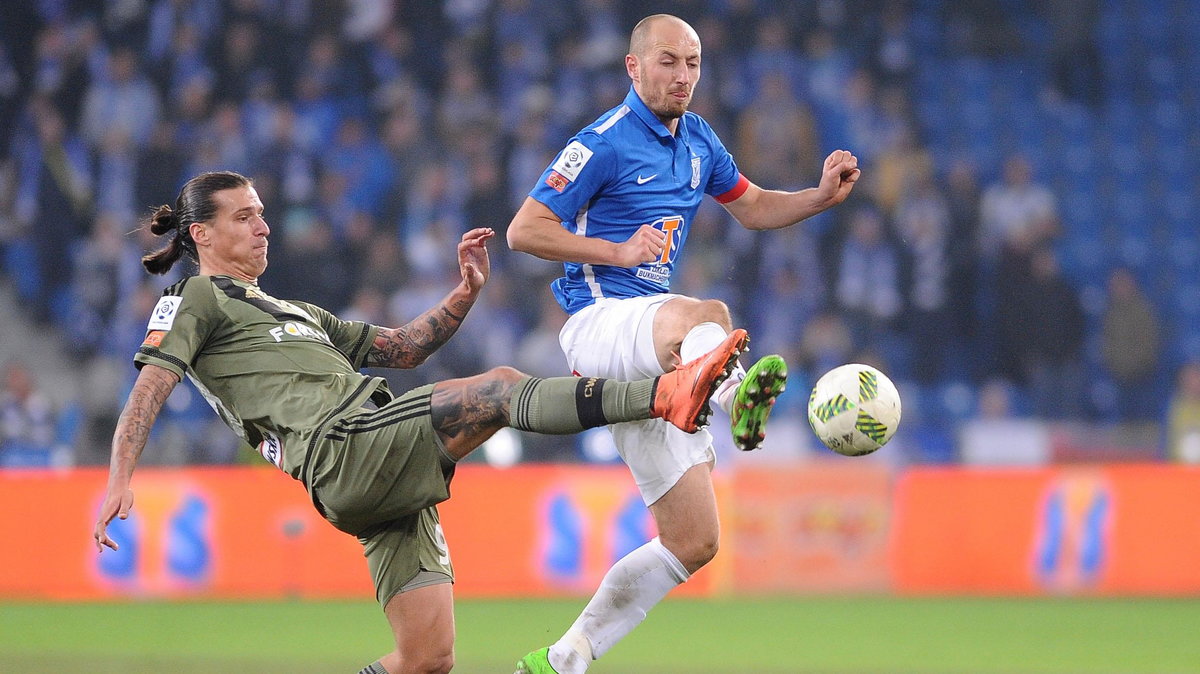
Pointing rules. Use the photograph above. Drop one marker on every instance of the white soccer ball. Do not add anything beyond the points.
(854, 409)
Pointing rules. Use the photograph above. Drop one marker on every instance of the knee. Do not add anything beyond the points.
(505, 374)
(676, 318)
(714, 311)
(704, 552)
(693, 312)
(440, 663)
(693, 551)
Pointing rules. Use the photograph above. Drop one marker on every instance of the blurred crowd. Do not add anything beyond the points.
(378, 131)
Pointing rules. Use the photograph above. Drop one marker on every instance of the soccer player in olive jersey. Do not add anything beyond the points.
(284, 376)
(615, 208)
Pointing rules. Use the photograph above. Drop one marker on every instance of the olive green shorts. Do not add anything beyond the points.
(407, 554)
(379, 474)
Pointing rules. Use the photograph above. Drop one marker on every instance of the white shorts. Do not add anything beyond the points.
(614, 338)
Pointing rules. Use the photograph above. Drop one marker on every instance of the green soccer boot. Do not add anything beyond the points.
(536, 662)
(753, 400)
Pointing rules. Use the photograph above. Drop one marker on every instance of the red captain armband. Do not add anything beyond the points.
(734, 192)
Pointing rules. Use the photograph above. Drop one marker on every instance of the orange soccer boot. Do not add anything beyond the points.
(681, 396)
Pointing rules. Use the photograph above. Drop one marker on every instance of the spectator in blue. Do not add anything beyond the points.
(187, 61)
(868, 285)
(26, 419)
(360, 159)
(106, 267)
(53, 204)
(923, 224)
(124, 100)
(116, 175)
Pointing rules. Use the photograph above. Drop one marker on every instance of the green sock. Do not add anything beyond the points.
(562, 405)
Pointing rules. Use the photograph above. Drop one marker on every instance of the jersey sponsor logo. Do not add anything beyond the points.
(293, 329)
(557, 181)
(271, 449)
(695, 172)
(163, 316)
(643, 181)
(154, 338)
(672, 226)
(572, 160)
(658, 274)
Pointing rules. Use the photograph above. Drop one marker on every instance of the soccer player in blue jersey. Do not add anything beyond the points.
(615, 207)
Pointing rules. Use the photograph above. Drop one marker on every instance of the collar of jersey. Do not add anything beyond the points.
(651, 120)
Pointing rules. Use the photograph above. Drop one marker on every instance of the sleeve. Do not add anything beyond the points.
(726, 179)
(179, 326)
(353, 338)
(581, 170)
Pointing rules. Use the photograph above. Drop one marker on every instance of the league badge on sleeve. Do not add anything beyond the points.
(572, 160)
(163, 316)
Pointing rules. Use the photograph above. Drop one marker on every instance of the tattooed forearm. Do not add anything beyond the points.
(149, 392)
(462, 408)
(409, 346)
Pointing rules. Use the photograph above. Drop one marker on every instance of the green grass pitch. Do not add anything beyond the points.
(828, 634)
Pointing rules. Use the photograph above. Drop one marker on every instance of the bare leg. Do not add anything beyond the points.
(687, 520)
(675, 318)
(466, 412)
(422, 623)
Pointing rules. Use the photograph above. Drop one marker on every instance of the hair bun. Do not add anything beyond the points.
(163, 220)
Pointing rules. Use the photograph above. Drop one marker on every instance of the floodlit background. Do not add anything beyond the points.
(1021, 256)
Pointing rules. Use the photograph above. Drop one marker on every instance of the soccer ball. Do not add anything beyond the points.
(854, 409)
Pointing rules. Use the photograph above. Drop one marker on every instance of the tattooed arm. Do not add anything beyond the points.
(149, 392)
(409, 346)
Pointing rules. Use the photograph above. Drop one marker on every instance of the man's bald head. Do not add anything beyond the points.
(648, 31)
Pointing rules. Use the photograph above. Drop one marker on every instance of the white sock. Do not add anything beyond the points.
(571, 654)
(700, 340)
(629, 590)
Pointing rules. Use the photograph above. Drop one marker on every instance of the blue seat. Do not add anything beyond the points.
(1134, 251)
(1187, 300)
(1085, 258)
(1187, 345)
(1179, 206)
(1169, 119)
(1183, 251)
(1080, 209)
(1122, 115)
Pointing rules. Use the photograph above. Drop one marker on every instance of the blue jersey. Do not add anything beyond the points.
(626, 170)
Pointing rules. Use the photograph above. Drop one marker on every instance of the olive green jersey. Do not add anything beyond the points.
(273, 370)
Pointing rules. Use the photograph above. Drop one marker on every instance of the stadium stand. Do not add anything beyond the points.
(393, 126)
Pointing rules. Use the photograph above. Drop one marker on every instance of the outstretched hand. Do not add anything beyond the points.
(838, 176)
(473, 259)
